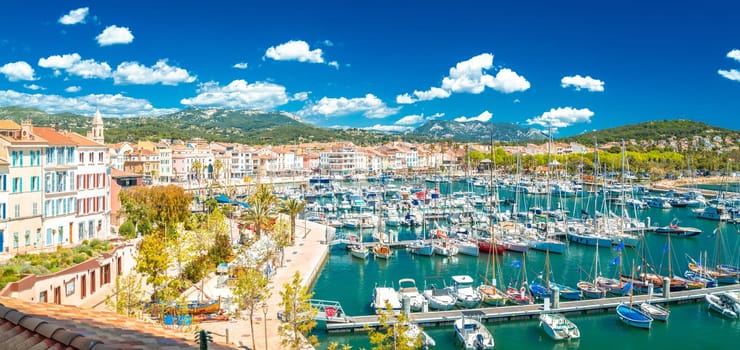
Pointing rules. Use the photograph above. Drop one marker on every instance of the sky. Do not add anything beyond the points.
(574, 66)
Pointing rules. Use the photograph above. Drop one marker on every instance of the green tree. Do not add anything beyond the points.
(250, 290)
(393, 332)
(292, 207)
(260, 212)
(127, 230)
(153, 260)
(297, 315)
(127, 296)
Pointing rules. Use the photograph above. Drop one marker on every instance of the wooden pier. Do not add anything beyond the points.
(525, 312)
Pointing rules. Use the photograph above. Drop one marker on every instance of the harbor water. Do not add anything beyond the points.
(351, 281)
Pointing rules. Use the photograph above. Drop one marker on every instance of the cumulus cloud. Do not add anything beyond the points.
(74, 16)
(241, 65)
(370, 106)
(240, 95)
(159, 73)
(431, 94)
(734, 54)
(579, 82)
(415, 119)
(295, 50)
(483, 117)
(33, 87)
(389, 128)
(732, 74)
(470, 76)
(73, 89)
(74, 64)
(562, 117)
(16, 71)
(300, 96)
(114, 35)
(113, 105)
(334, 64)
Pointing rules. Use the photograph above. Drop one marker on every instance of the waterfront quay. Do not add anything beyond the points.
(531, 311)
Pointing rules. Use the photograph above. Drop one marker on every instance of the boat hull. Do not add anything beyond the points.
(634, 317)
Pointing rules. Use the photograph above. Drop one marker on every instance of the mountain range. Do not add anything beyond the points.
(258, 127)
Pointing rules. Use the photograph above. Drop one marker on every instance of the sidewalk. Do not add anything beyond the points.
(306, 257)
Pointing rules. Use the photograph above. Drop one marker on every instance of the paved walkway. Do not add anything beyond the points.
(305, 257)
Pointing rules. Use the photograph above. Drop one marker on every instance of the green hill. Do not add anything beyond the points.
(654, 130)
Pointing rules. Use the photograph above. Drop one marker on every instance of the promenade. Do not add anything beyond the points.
(306, 257)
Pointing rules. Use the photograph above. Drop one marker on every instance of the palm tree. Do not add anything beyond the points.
(196, 168)
(260, 211)
(292, 207)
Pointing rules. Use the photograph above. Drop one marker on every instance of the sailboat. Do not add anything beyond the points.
(520, 296)
(723, 273)
(591, 289)
(490, 294)
(633, 316)
(542, 291)
(359, 250)
(614, 285)
(380, 249)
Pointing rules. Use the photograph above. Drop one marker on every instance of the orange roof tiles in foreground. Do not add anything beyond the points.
(25, 325)
(9, 125)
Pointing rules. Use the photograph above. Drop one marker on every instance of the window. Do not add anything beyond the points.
(49, 237)
(91, 157)
(35, 209)
(100, 157)
(82, 157)
(2, 211)
(20, 157)
(28, 238)
(15, 239)
(43, 297)
(81, 231)
(17, 211)
(3, 183)
(13, 158)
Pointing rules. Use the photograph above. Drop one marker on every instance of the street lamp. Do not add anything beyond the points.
(264, 320)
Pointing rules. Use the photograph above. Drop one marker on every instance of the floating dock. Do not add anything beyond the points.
(532, 311)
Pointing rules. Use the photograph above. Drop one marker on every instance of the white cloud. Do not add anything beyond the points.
(90, 69)
(483, 117)
(370, 106)
(579, 82)
(300, 96)
(734, 54)
(59, 61)
(389, 128)
(327, 43)
(562, 117)
(114, 35)
(239, 94)
(33, 87)
(295, 50)
(112, 105)
(73, 89)
(469, 76)
(16, 71)
(412, 119)
(241, 65)
(507, 81)
(74, 64)
(732, 74)
(405, 99)
(334, 64)
(431, 94)
(516, 100)
(74, 16)
(415, 119)
(159, 73)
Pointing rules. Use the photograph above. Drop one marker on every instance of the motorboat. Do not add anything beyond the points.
(471, 332)
(407, 289)
(558, 327)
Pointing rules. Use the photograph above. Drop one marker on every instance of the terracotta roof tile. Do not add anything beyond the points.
(80, 140)
(52, 136)
(9, 125)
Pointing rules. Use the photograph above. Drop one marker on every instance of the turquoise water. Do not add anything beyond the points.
(351, 282)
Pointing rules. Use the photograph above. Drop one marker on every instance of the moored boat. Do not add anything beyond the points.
(382, 251)
(633, 316)
(471, 333)
(439, 298)
(558, 327)
(462, 289)
(722, 304)
(657, 312)
(407, 288)
(384, 297)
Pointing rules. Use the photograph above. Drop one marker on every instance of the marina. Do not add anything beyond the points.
(572, 265)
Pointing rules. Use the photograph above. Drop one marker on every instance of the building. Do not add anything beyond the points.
(23, 209)
(120, 180)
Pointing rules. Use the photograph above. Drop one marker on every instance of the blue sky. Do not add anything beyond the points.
(388, 65)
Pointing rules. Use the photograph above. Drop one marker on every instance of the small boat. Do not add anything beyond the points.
(444, 248)
(657, 312)
(413, 331)
(203, 308)
(472, 333)
(519, 296)
(407, 288)
(359, 251)
(467, 247)
(678, 231)
(723, 304)
(382, 251)
(421, 248)
(462, 289)
(558, 327)
(634, 316)
(439, 298)
(382, 298)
